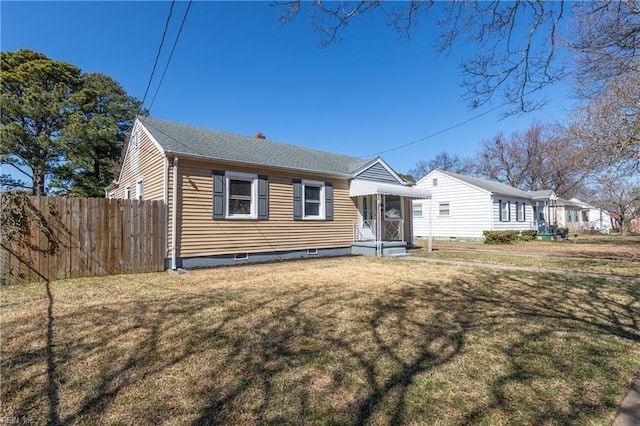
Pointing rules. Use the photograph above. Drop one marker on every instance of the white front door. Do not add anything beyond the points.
(366, 217)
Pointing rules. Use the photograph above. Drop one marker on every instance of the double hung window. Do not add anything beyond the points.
(313, 200)
(239, 195)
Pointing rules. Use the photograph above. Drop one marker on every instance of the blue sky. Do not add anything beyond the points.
(235, 69)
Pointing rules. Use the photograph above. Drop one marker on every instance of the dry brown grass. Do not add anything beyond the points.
(338, 341)
(624, 268)
(589, 246)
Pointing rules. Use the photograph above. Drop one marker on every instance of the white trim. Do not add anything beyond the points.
(384, 164)
(139, 190)
(322, 208)
(174, 215)
(165, 199)
(360, 187)
(247, 177)
(135, 128)
(127, 192)
(441, 175)
(414, 204)
(401, 212)
(235, 163)
(491, 215)
(155, 142)
(448, 203)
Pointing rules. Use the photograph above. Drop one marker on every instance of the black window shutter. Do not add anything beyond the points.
(297, 199)
(218, 194)
(328, 200)
(517, 212)
(500, 210)
(524, 212)
(509, 211)
(263, 197)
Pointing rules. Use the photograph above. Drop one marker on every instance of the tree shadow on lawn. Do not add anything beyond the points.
(486, 347)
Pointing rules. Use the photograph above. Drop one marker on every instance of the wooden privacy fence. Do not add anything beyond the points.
(52, 238)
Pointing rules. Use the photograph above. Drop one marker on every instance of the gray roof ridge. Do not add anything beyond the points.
(284, 144)
(487, 184)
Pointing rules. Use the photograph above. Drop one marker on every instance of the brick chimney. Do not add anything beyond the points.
(260, 136)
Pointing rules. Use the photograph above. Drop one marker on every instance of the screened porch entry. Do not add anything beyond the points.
(386, 221)
(384, 216)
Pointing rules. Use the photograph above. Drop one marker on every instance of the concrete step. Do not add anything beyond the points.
(398, 255)
(394, 251)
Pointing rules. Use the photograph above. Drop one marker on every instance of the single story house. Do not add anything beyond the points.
(593, 218)
(233, 199)
(570, 215)
(462, 207)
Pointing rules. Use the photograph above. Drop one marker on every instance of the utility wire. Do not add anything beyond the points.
(184, 18)
(438, 132)
(155, 63)
(461, 123)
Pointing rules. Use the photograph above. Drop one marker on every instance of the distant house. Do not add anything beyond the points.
(594, 218)
(545, 206)
(571, 215)
(233, 199)
(462, 207)
(578, 216)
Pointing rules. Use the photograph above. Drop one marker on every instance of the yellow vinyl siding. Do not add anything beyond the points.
(201, 235)
(150, 169)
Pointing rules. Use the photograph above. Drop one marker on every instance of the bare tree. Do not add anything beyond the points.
(442, 161)
(619, 193)
(542, 157)
(518, 43)
(608, 126)
(606, 45)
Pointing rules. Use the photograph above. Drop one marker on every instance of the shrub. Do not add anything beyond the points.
(563, 232)
(528, 235)
(500, 237)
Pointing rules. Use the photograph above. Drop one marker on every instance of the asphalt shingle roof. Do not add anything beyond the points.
(490, 185)
(216, 145)
(545, 193)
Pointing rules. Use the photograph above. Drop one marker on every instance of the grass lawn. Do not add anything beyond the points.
(326, 341)
(585, 246)
(620, 267)
(600, 254)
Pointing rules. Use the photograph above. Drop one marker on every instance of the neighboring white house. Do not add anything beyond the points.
(462, 207)
(593, 218)
(545, 207)
(570, 215)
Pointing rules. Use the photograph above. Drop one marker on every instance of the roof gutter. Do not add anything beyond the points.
(222, 160)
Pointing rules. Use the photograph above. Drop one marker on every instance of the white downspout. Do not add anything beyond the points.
(165, 197)
(174, 217)
(491, 212)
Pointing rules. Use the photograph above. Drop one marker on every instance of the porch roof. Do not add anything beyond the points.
(364, 187)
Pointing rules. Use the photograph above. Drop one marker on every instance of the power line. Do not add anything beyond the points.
(184, 18)
(438, 132)
(155, 63)
(461, 123)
